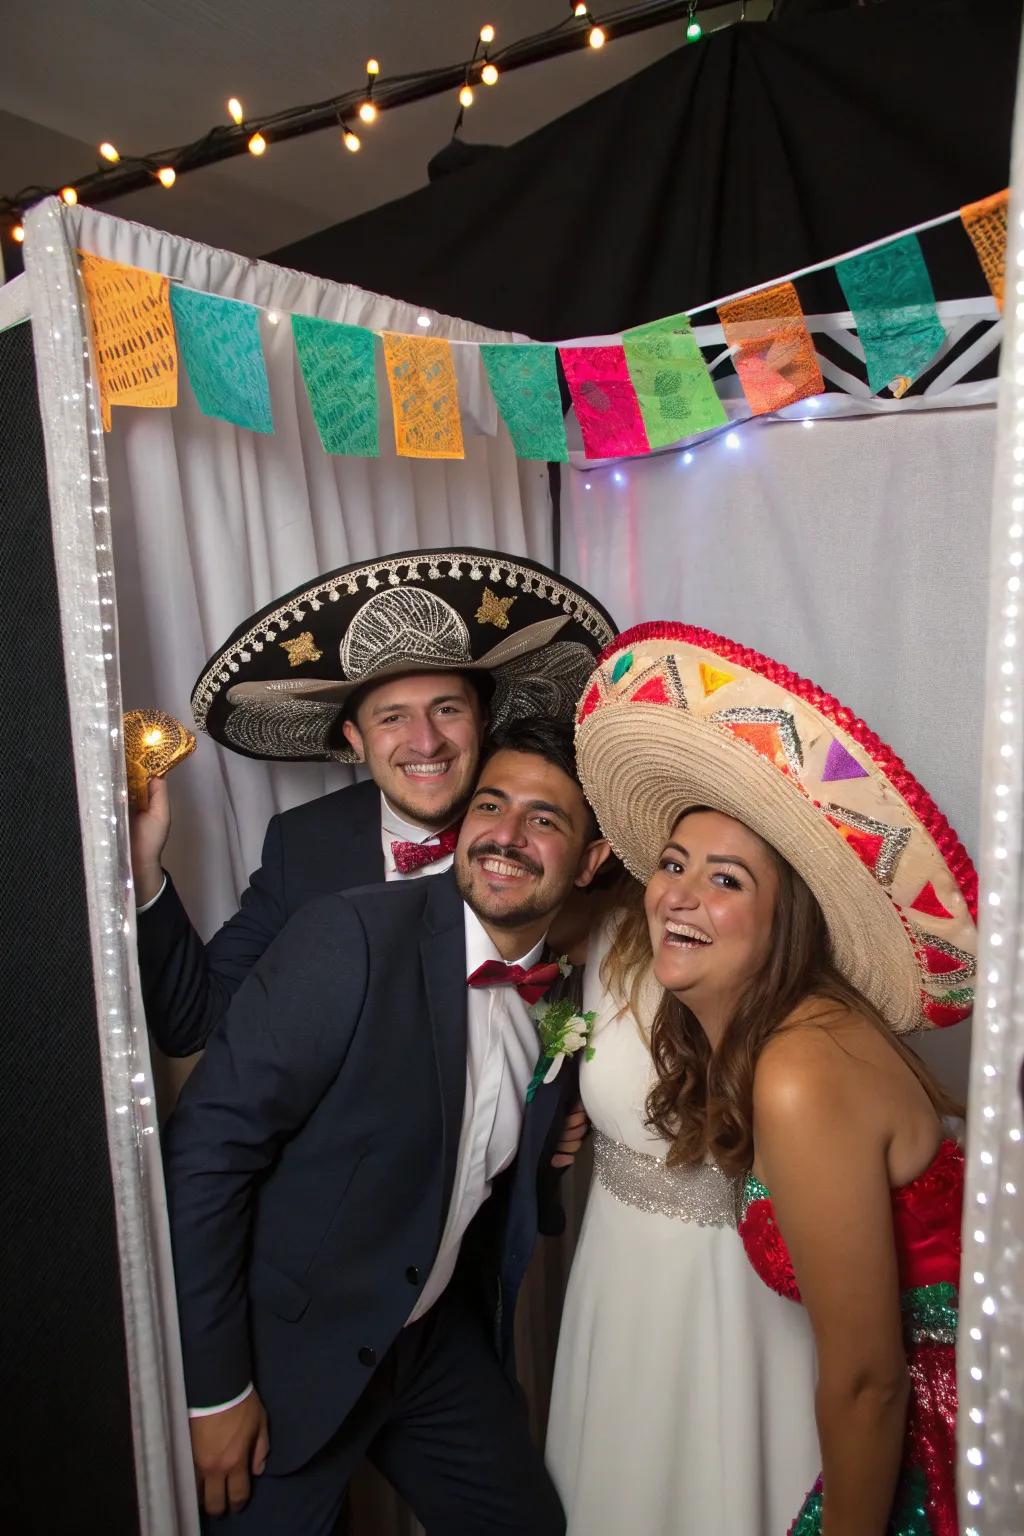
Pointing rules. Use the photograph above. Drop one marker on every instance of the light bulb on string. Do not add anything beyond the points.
(352, 141)
(489, 74)
(579, 9)
(694, 30)
(257, 144)
(597, 37)
(373, 67)
(368, 112)
(235, 111)
(167, 175)
(18, 233)
(69, 196)
(466, 96)
(487, 33)
(108, 152)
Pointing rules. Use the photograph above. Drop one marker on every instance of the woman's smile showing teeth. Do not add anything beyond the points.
(685, 935)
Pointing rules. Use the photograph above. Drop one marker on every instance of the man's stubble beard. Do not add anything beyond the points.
(532, 910)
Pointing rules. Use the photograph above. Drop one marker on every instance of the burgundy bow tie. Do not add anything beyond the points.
(411, 856)
(531, 985)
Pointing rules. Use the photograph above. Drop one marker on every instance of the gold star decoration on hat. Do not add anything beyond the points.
(302, 648)
(494, 610)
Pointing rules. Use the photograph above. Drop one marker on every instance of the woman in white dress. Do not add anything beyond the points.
(683, 1396)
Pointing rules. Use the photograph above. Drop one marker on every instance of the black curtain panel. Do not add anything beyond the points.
(762, 149)
(66, 1462)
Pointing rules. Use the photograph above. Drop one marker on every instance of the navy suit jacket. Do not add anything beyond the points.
(329, 844)
(311, 1159)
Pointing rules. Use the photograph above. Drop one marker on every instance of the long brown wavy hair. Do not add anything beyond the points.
(703, 1098)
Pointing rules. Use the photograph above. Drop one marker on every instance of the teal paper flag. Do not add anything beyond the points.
(220, 344)
(524, 379)
(893, 304)
(341, 382)
(676, 394)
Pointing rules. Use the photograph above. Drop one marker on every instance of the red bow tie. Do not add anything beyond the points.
(411, 856)
(531, 985)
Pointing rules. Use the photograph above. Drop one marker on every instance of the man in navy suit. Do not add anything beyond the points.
(402, 663)
(352, 1179)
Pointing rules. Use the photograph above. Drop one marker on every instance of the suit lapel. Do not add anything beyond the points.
(443, 955)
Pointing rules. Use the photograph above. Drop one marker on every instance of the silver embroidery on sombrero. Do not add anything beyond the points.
(962, 967)
(546, 682)
(783, 725)
(300, 728)
(521, 577)
(404, 624)
(891, 840)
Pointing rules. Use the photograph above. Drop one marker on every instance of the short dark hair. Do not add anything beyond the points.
(540, 736)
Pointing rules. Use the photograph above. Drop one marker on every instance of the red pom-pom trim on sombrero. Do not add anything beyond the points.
(957, 859)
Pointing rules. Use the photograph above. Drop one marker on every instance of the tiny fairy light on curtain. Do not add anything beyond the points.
(694, 30)
(257, 144)
(235, 111)
(167, 176)
(109, 152)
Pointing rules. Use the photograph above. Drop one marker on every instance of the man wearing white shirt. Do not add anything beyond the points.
(352, 1178)
(399, 665)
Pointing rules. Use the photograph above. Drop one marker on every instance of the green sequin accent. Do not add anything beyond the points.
(622, 666)
(930, 1313)
(959, 997)
(753, 1190)
(909, 1513)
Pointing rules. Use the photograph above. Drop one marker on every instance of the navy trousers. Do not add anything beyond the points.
(443, 1423)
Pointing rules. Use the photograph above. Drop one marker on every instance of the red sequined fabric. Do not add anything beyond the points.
(926, 1224)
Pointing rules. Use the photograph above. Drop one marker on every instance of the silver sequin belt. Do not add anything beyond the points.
(697, 1192)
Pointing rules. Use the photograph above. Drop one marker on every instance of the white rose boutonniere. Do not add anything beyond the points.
(562, 1032)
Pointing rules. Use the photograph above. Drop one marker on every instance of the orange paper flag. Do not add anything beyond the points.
(132, 333)
(985, 222)
(424, 397)
(775, 357)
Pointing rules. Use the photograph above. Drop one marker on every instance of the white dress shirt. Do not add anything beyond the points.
(502, 1047)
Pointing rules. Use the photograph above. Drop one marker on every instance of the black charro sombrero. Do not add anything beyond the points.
(279, 685)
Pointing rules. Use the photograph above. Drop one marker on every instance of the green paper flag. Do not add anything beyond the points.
(893, 304)
(524, 379)
(223, 356)
(341, 383)
(677, 397)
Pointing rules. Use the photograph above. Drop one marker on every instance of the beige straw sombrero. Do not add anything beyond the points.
(676, 716)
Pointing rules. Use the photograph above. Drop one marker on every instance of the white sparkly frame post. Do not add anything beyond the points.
(76, 472)
(990, 1352)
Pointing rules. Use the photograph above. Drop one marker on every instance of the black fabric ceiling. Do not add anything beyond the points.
(757, 151)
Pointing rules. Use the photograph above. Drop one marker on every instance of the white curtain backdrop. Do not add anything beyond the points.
(854, 551)
(211, 522)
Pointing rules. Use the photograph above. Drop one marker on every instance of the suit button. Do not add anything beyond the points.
(367, 1356)
(412, 1274)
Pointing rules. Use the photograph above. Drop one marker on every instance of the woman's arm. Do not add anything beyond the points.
(821, 1146)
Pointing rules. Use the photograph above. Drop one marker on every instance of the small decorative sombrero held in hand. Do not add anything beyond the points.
(279, 685)
(676, 717)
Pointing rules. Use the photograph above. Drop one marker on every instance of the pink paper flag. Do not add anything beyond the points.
(606, 405)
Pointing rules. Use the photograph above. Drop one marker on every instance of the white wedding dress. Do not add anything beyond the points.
(683, 1396)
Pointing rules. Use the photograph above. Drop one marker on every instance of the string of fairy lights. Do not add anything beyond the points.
(117, 172)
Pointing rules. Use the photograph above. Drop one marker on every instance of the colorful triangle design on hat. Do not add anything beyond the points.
(877, 844)
(713, 678)
(866, 845)
(841, 764)
(659, 684)
(927, 901)
(654, 691)
(944, 959)
(771, 732)
(590, 702)
(944, 1014)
